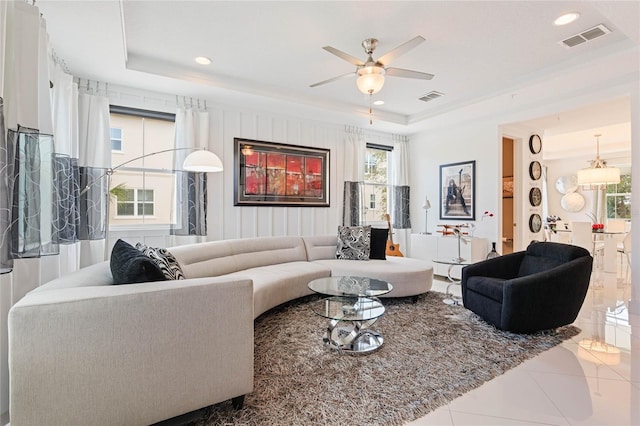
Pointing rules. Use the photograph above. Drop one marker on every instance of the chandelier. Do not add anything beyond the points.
(598, 173)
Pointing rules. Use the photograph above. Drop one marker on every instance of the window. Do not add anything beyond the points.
(376, 180)
(135, 202)
(142, 190)
(116, 139)
(619, 198)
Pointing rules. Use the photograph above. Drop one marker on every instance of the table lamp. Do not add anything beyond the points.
(426, 206)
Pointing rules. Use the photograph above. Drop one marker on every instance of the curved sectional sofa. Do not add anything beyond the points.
(84, 351)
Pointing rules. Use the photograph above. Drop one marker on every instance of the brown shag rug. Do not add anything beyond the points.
(432, 354)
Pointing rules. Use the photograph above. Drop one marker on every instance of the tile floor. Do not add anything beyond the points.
(574, 383)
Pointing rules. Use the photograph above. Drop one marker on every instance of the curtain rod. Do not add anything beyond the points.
(372, 134)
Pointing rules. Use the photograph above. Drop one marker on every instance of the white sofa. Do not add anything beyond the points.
(83, 351)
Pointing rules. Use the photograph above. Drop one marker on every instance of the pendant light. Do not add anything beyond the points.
(598, 173)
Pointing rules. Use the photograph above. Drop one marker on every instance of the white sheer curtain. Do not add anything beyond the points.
(545, 200)
(4, 5)
(355, 151)
(64, 108)
(25, 84)
(191, 131)
(400, 197)
(24, 87)
(94, 158)
(22, 55)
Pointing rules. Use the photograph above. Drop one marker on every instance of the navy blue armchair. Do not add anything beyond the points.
(537, 289)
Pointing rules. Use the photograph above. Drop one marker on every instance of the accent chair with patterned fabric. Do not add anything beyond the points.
(527, 291)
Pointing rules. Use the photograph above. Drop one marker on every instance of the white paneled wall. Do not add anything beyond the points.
(227, 221)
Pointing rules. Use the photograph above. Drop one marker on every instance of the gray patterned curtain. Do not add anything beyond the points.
(192, 204)
(67, 190)
(5, 214)
(352, 207)
(401, 216)
(191, 131)
(92, 205)
(30, 172)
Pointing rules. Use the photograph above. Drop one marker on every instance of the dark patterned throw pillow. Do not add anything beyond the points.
(129, 266)
(354, 242)
(167, 262)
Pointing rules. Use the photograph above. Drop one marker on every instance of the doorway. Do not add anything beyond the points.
(508, 186)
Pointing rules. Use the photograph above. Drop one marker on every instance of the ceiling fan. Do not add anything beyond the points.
(371, 72)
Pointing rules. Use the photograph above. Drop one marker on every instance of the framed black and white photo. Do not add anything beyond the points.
(458, 191)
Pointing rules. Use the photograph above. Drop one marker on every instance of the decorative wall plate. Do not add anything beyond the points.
(535, 170)
(535, 223)
(567, 184)
(535, 144)
(572, 202)
(535, 197)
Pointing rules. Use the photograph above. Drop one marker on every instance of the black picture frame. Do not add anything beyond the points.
(535, 196)
(535, 144)
(535, 223)
(535, 170)
(458, 191)
(276, 174)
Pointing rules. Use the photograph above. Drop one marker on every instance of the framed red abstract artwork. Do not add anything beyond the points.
(273, 174)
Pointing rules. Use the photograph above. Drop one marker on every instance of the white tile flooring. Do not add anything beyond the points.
(568, 384)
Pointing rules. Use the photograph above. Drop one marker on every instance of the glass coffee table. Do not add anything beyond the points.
(351, 308)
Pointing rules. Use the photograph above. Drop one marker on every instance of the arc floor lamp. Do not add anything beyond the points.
(200, 160)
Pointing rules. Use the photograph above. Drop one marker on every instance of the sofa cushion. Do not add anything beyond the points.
(320, 246)
(487, 286)
(216, 258)
(533, 264)
(94, 275)
(354, 242)
(379, 238)
(129, 265)
(276, 284)
(541, 257)
(165, 260)
(408, 276)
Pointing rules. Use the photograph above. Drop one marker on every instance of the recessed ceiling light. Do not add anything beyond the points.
(202, 60)
(378, 103)
(567, 18)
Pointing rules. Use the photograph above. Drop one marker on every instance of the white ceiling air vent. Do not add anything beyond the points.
(586, 36)
(431, 96)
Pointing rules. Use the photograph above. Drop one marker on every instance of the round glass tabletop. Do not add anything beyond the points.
(350, 286)
(348, 308)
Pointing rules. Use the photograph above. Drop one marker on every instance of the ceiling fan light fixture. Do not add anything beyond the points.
(370, 79)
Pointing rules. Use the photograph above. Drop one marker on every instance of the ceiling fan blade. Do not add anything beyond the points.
(400, 50)
(351, 74)
(340, 54)
(399, 72)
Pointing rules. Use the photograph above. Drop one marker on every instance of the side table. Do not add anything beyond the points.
(453, 263)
